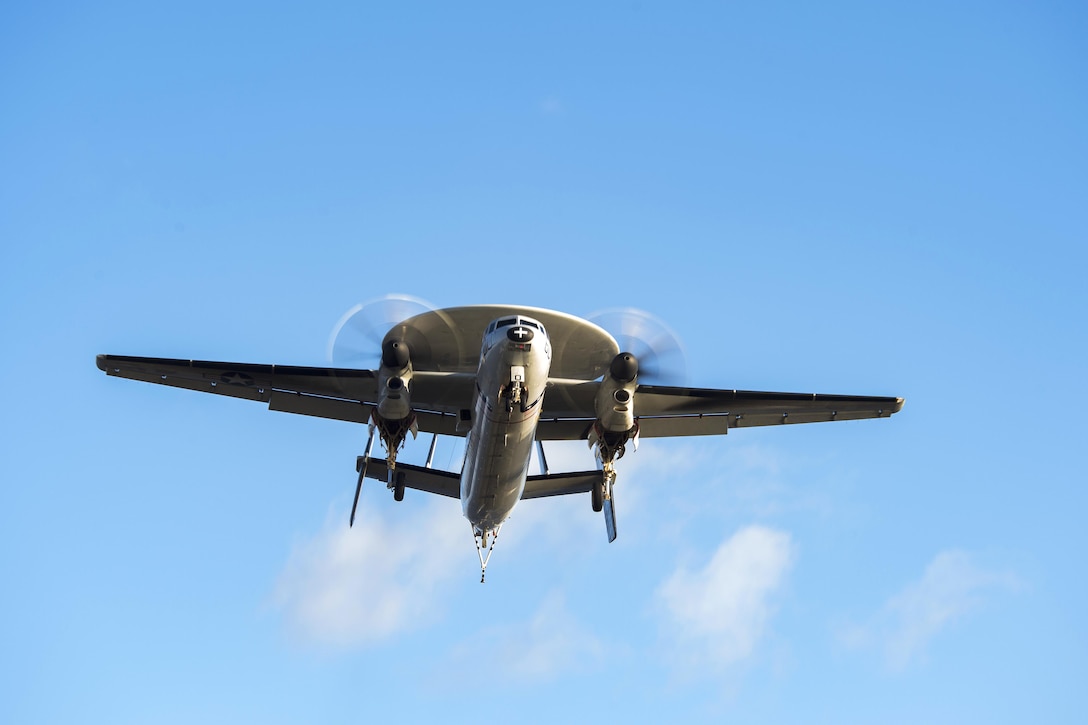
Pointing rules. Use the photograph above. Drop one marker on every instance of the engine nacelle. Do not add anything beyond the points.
(615, 397)
(394, 381)
(615, 408)
(395, 355)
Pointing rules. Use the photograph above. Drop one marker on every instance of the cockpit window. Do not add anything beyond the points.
(509, 321)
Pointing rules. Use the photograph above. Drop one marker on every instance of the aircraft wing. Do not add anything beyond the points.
(439, 397)
(336, 393)
(673, 411)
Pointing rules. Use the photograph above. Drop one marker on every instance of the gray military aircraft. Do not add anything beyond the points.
(504, 377)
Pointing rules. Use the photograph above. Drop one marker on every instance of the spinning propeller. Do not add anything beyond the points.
(362, 340)
(650, 353)
(356, 340)
(658, 354)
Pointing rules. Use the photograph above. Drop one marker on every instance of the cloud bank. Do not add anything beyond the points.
(350, 587)
(719, 613)
(951, 586)
(551, 644)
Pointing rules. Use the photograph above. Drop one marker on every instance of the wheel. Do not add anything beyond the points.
(597, 496)
(398, 492)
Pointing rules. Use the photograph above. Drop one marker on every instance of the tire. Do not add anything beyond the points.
(597, 497)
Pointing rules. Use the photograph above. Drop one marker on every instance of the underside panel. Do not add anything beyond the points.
(431, 480)
(560, 484)
(449, 340)
(447, 483)
(660, 401)
(564, 430)
(347, 410)
(336, 393)
(244, 380)
(686, 425)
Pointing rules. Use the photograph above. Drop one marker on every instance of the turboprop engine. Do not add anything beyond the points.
(614, 405)
(394, 380)
(393, 418)
(377, 324)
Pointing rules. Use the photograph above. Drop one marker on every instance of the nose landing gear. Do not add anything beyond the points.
(481, 538)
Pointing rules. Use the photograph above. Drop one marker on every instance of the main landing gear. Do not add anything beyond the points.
(393, 434)
(602, 497)
(608, 447)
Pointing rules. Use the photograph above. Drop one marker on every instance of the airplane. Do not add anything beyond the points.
(506, 378)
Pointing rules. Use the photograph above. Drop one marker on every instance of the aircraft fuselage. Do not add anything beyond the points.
(510, 383)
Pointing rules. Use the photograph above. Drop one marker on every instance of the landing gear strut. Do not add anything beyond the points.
(514, 395)
(481, 538)
(360, 466)
(392, 433)
(609, 447)
(608, 500)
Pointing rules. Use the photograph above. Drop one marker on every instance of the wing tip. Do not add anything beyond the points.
(899, 404)
(100, 361)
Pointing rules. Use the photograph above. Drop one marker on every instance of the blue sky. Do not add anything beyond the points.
(844, 198)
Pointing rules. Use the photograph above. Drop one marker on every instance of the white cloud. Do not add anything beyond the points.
(951, 586)
(349, 587)
(730, 481)
(551, 643)
(719, 612)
